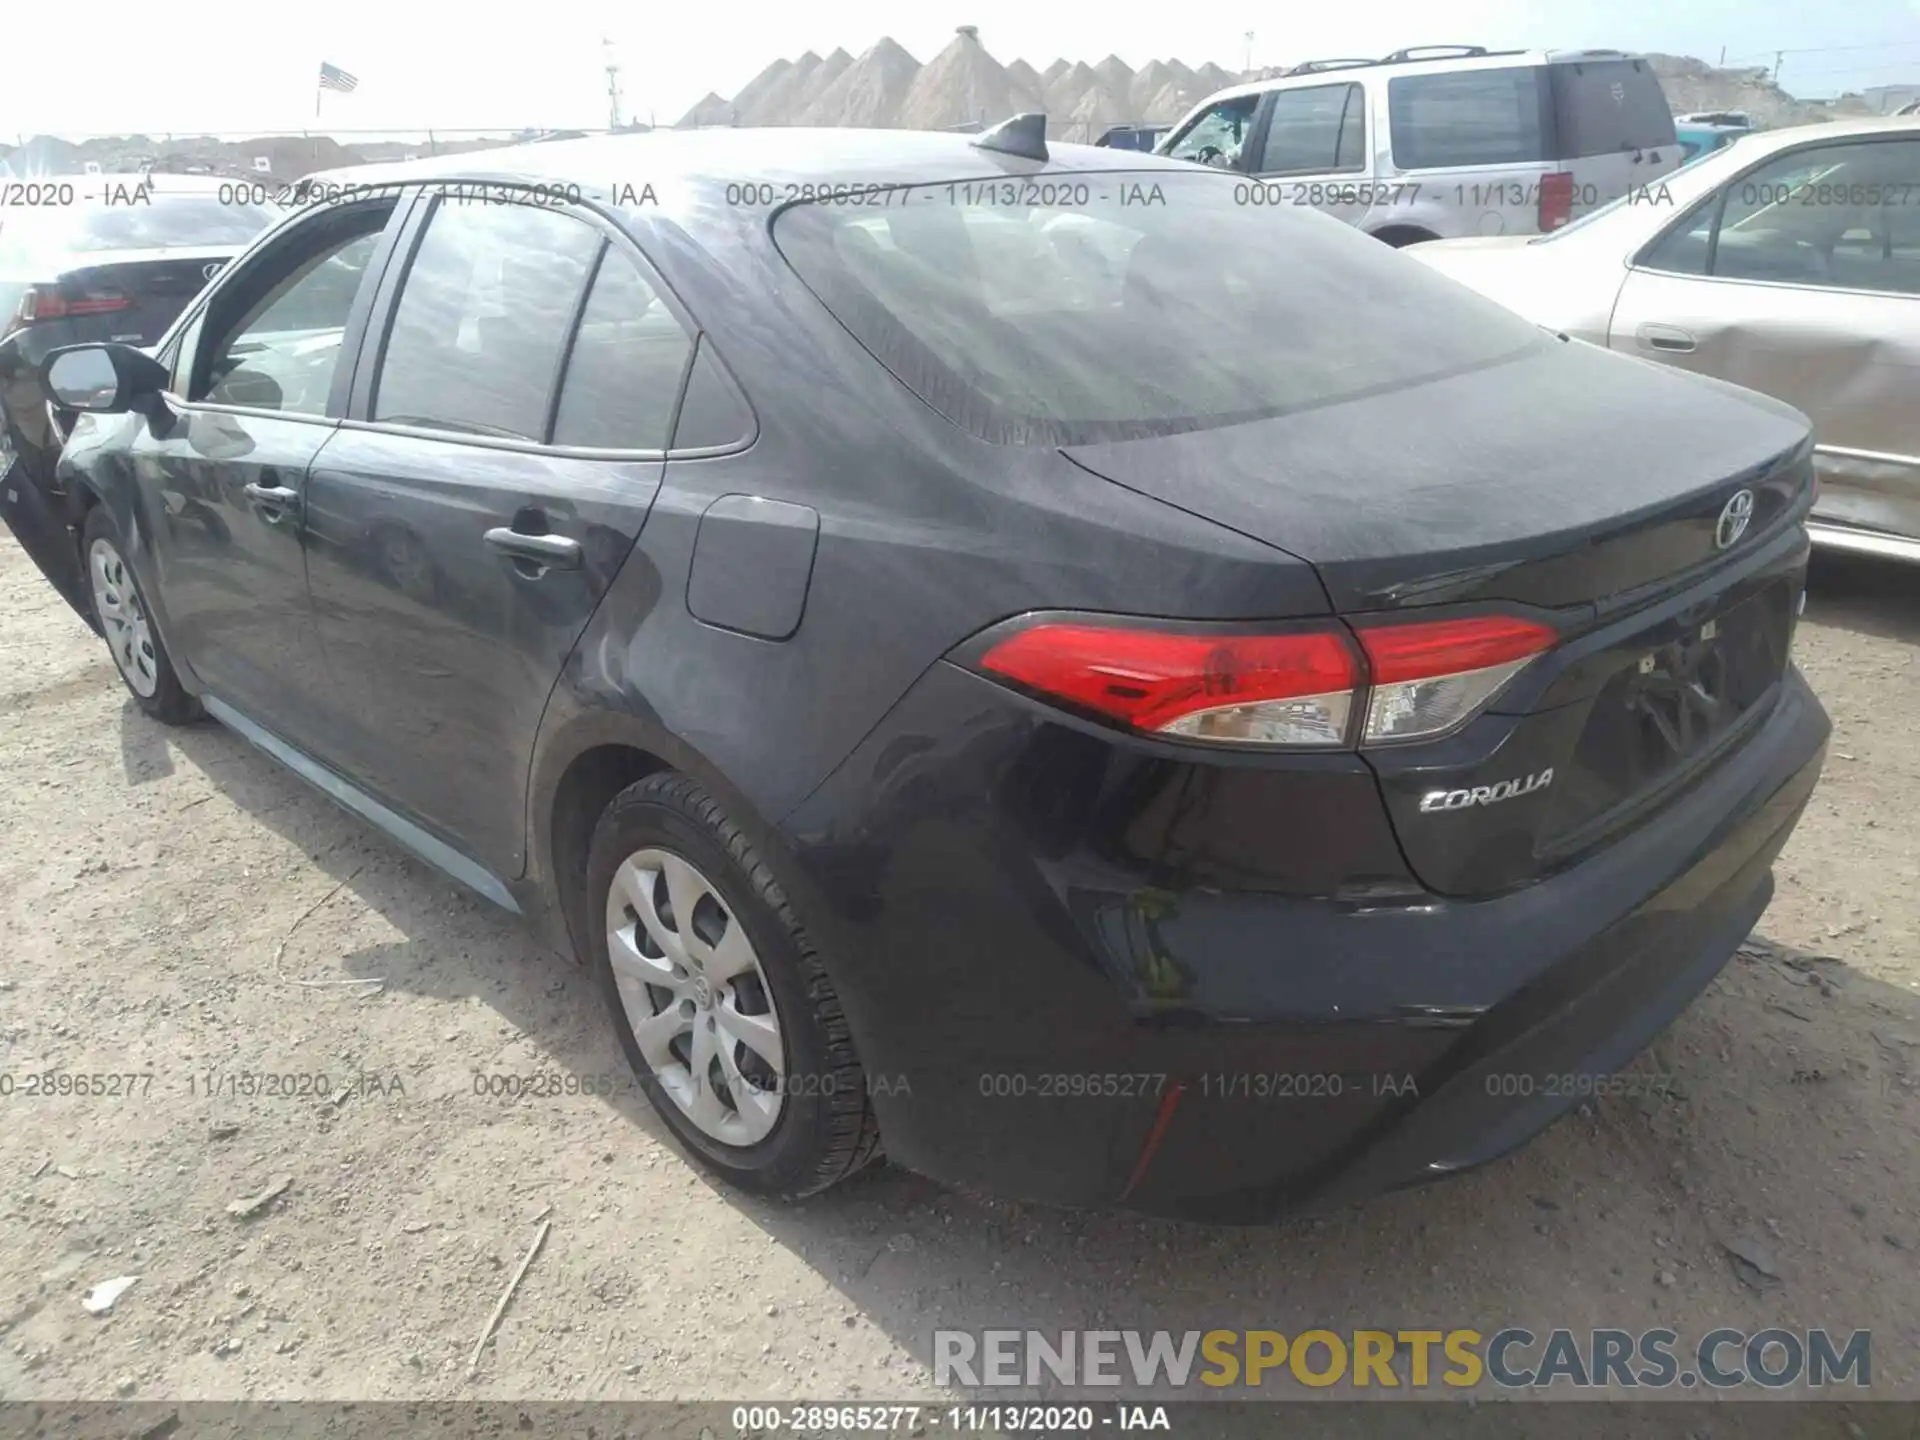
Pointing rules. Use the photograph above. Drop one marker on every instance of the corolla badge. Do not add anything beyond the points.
(1735, 516)
(1485, 794)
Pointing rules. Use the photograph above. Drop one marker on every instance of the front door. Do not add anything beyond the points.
(222, 467)
(497, 464)
(1801, 279)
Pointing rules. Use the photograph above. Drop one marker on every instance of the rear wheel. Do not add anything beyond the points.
(132, 640)
(718, 997)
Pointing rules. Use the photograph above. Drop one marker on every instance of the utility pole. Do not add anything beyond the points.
(1723, 57)
(1249, 65)
(1779, 58)
(613, 83)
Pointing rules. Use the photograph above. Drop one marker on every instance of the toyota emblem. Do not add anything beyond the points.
(207, 272)
(1735, 515)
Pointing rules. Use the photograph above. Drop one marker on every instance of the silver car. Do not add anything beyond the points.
(1789, 262)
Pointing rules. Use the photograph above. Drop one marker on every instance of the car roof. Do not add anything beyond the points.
(715, 158)
(1492, 60)
(1759, 142)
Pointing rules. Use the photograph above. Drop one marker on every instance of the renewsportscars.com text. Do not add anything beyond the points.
(1510, 1358)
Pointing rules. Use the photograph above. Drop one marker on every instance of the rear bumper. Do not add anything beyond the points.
(1060, 996)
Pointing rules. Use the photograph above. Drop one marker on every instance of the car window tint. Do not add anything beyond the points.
(1219, 135)
(711, 415)
(1684, 247)
(1321, 127)
(1604, 107)
(1844, 215)
(282, 353)
(481, 319)
(1466, 117)
(623, 375)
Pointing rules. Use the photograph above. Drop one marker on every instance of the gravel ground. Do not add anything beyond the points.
(176, 906)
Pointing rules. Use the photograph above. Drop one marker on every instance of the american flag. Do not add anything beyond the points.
(332, 77)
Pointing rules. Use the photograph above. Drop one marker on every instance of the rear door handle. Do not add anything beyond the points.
(560, 552)
(1668, 339)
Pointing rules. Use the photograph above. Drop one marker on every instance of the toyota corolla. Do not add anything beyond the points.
(996, 654)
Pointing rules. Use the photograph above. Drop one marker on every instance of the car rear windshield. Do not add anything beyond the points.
(1606, 106)
(1070, 309)
(150, 223)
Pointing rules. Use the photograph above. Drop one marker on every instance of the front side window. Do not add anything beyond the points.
(1219, 135)
(280, 350)
(1154, 305)
(482, 318)
(1467, 117)
(1317, 129)
(1845, 216)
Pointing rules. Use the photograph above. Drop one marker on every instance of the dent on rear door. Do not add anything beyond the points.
(1850, 360)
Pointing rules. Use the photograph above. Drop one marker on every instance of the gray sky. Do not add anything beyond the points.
(430, 63)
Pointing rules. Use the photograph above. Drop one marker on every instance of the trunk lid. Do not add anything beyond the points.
(159, 283)
(1563, 487)
(1560, 477)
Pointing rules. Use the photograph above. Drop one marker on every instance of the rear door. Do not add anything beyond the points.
(1801, 279)
(1471, 145)
(504, 444)
(1309, 148)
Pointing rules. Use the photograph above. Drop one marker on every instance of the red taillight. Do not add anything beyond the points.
(1556, 200)
(1445, 647)
(1417, 679)
(1289, 689)
(1432, 676)
(50, 302)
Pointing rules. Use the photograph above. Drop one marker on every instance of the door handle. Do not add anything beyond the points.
(275, 499)
(560, 552)
(1668, 339)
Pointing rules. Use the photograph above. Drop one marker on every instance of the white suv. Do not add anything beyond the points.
(1441, 141)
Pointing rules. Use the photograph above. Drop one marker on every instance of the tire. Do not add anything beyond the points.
(121, 615)
(822, 1128)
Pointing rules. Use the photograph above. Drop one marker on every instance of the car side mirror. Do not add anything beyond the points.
(102, 379)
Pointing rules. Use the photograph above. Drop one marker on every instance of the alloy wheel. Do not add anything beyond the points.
(696, 997)
(122, 616)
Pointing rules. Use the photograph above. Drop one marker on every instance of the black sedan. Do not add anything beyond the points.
(1116, 696)
(95, 257)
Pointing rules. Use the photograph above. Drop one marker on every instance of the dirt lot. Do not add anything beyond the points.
(174, 905)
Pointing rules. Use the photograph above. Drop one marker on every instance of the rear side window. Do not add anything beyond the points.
(484, 313)
(1150, 303)
(1469, 117)
(624, 373)
(1317, 128)
(1605, 107)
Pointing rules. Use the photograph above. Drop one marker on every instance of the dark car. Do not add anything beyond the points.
(94, 257)
(113, 257)
(1115, 696)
